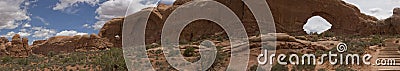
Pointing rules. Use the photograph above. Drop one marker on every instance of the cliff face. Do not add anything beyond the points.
(72, 43)
(289, 16)
(17, 47)
(112, 31)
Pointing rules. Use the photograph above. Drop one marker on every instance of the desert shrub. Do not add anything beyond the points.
(326, 34)
(22, 61)
(6, 59)
(343, 68)
(376, 40)
(51, 54)
(112, 60)
(253, 68)
(154, 45)
(314, 38)
(321, 69)
(189, 52)
(279, 67)
(159, 51)
(33, 58)
(42, 66)
(304, 67)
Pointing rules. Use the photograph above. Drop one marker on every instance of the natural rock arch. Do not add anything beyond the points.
(317, 24)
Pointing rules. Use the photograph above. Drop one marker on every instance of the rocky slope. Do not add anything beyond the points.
(17, 47)
(72, 43)
(289, 17)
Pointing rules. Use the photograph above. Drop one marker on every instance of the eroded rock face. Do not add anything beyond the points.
(391, 25)
(37, 42)
(61, 44)
(17, 47)
(112, 30)
(289, 17)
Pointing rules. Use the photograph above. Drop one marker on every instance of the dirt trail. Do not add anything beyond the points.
(390, 51)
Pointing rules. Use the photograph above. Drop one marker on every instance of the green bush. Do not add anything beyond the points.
(321, 69)
(112, 60)
(22, 61)
(326, 34)
(189, 52)
(376, 40)
(51, 54)
(343, 68)
(253, 68)
(279, 67)
(6, 59)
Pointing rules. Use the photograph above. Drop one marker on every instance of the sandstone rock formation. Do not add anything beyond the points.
(289, 17)
(17, 47)
(391, 25)
(112, 30)
(72, 43)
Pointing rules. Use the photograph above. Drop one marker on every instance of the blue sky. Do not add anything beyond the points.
(41, 19)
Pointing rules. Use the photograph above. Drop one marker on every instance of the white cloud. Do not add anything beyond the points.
(12, 33)
(375, 10)
(316, 24)
(27, 3)
(381, 9)
(118, 8)
(12, 13)
(24, 34)
(64, 4)
(167, 1)
(26, 25)
(69, 33)
(86, 26)
(40, 32)
(42, 20)
(9, 34)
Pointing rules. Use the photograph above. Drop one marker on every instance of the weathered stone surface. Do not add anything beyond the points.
(112, 30)
(17, 47)
(37, 42)
(390, 25)
(61, 44)
(289, 16)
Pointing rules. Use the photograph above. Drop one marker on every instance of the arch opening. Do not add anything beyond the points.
(316, 24)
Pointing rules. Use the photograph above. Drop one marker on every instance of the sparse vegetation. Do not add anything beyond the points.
(189, 51)
(326, 34)
(109, 60)
(112, 60)
(343, 68)
(50, 53)
(6, 59)
(279, 67)
(322, 70)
